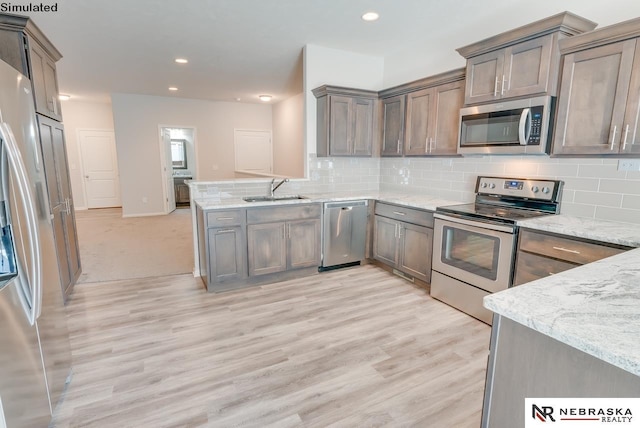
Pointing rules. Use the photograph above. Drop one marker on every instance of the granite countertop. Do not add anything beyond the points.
(594, 308)
(425, 202)
(599, 230)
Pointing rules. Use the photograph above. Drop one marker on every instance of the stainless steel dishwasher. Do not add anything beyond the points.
(344, 233)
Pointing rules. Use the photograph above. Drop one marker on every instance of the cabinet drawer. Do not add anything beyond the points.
(283, 213)
(225, 218)
(530, 267)
(571, 250)
(408, 215)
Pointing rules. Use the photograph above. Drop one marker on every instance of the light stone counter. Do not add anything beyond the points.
(594, 308)
(599, 230)
(425, 202)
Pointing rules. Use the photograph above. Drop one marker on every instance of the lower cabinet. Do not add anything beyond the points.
(541, 254)
(404, 244)
(284, 245)
(241, 247)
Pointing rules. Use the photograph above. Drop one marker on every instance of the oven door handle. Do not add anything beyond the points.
(479, 224)
(524, 126)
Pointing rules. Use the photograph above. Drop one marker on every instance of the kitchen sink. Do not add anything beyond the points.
(272, 198)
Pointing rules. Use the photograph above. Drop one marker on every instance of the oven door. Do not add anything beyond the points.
(477, 253)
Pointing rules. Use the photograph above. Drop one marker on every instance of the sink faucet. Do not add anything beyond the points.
(273, 188)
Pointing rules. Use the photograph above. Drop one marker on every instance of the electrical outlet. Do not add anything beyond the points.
(629, 165)
(145, 199)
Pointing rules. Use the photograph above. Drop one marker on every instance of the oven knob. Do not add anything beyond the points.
(492, 185)
(484, 185)
(545, 190)
(535, 189)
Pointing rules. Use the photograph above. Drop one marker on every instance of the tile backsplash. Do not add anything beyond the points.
(594, 187)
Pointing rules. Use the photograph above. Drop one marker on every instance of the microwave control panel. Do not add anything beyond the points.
(535, 131)
(519, 187)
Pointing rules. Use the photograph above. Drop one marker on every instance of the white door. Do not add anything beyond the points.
(254, 152)
(167, 171)
(100, 167)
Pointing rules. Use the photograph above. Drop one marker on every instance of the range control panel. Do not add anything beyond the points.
(547, 190)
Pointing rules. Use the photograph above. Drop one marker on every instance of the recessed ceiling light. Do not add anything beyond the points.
(181, 60)
(265, 98)
(63, 97)
(173, 88)
(370, 16)
(238, 99)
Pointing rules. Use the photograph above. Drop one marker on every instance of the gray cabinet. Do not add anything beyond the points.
(429, 125)
(29, 51)
(599, 101)
(181, 190)
(403, 239)
(345, 121)
(393, 126)
(283, 238)
(222, 247)
(521, 62)
(54, 153)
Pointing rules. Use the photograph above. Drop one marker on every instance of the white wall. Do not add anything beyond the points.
(324, 66)
(288, 137)
(136, 120)
(82, 115)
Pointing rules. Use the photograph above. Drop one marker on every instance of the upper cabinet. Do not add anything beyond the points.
(29, 51)
(421, 117)
(599, 102)
(520, 62)
(345, 124)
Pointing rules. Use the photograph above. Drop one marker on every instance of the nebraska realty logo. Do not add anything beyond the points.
(582, 412)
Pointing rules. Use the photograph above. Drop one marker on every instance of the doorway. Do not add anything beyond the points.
(177, 164)
(99, 163)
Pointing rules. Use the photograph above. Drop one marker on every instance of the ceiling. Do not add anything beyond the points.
(243, 48)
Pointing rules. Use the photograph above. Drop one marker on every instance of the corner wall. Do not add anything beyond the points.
(288, 137)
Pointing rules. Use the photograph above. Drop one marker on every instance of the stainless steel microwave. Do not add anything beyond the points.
(511, 127)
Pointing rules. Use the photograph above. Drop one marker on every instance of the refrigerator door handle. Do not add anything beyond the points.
(20, 175)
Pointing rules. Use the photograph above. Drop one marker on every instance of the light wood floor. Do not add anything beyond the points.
(352, 348)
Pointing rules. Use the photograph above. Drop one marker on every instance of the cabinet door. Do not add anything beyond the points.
(484, 77)
(393, 122)
(631, 131)
(339, 125)
(385, 240)
(415, 251)
(448, 100)
(45, 84)
(362, 129)
(419, 122)
(226, 255)
(303, 244)
(526, 68)
(593, 94)
(267, 248)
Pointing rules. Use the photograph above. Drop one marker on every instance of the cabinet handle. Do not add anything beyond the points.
(495, 88)
(503, 82)
(552, 273)
(613, 135)
(395, 230)
(399, 213)
(224, 218)
(224, 231)
(398, 148)
(54, 104)
(626, 134)
(566, 250)
(289, 230)
(427, 145)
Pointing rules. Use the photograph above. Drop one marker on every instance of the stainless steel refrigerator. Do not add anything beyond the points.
(35, 356)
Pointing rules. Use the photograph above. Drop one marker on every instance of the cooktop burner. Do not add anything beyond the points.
(507, 200)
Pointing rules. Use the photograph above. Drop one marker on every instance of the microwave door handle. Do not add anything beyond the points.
(24, 193)
(525, 122)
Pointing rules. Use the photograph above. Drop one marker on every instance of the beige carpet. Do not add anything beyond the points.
(112, 247)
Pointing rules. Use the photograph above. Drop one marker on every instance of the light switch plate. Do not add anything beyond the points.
(629, 165)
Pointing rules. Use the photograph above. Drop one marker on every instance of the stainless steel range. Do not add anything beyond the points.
(474, 244)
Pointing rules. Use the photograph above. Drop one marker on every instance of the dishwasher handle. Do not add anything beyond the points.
(346, 204)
